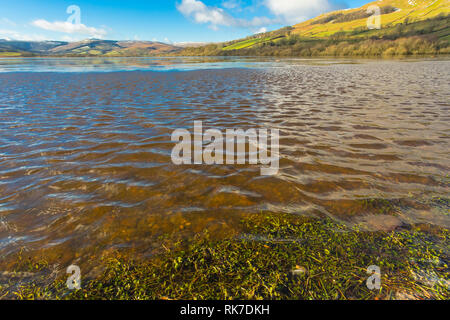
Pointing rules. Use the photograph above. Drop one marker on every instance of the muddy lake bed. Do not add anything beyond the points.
(85, 151)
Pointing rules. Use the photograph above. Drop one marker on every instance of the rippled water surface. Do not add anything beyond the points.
(135, 64)
(85, 161)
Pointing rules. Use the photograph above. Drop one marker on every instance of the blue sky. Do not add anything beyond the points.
(159, 20)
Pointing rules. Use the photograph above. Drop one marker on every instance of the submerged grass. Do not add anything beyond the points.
(279, 257)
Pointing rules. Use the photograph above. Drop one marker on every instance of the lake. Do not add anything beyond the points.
(85, 148)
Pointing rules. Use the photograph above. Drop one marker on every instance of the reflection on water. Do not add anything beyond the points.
(102, 64)
(85, 157)
(126, 64)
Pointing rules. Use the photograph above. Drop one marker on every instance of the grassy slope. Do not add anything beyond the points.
(412, 12)
(246, 43)
(10, 54)
(423, 9)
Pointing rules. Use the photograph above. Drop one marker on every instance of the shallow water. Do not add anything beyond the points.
(102, 64)
(85, 163)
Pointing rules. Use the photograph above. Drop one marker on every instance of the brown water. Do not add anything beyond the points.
(85, 163)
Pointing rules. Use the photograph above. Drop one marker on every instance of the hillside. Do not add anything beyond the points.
(92, 47)
(407, 27)
(20, 48)
(394, 12)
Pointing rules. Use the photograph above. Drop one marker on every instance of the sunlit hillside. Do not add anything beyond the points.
(393, 13)
(407, 27)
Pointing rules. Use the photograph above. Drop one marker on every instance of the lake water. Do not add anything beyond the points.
(85, 148)
(152, 64)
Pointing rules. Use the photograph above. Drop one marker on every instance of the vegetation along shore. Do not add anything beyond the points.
(281, 257)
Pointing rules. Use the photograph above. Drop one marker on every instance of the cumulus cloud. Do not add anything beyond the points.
(201, 13)
(70, 28)
(215, 17)
(14, 35)
(231, 4)
(295, 11)
(261, 30)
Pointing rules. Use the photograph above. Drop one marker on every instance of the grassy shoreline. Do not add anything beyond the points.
(280, 257)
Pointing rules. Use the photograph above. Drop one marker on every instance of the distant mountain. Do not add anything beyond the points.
(191, 44)
(90, 47)
(13, 47)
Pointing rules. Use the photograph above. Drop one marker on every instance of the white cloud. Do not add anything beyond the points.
(261, 30)
(216, 17)
(70, 28)
(69, 38)
(203, 14)
(14, 35)
(286, 12)
(295, 11)
(231, 4)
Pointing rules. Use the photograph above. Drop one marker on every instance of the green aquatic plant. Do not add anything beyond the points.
(279, 257)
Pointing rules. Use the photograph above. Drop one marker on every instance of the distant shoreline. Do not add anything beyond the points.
(382, 57)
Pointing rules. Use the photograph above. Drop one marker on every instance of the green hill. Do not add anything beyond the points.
(394, 12)
(407, 27)
(90, 47)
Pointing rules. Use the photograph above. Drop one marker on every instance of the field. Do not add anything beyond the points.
(247, 43)
(406, 11)
(10, 54)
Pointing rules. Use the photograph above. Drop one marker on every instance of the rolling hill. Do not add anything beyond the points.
(407, 27)
(393, 12)
(91, 47)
